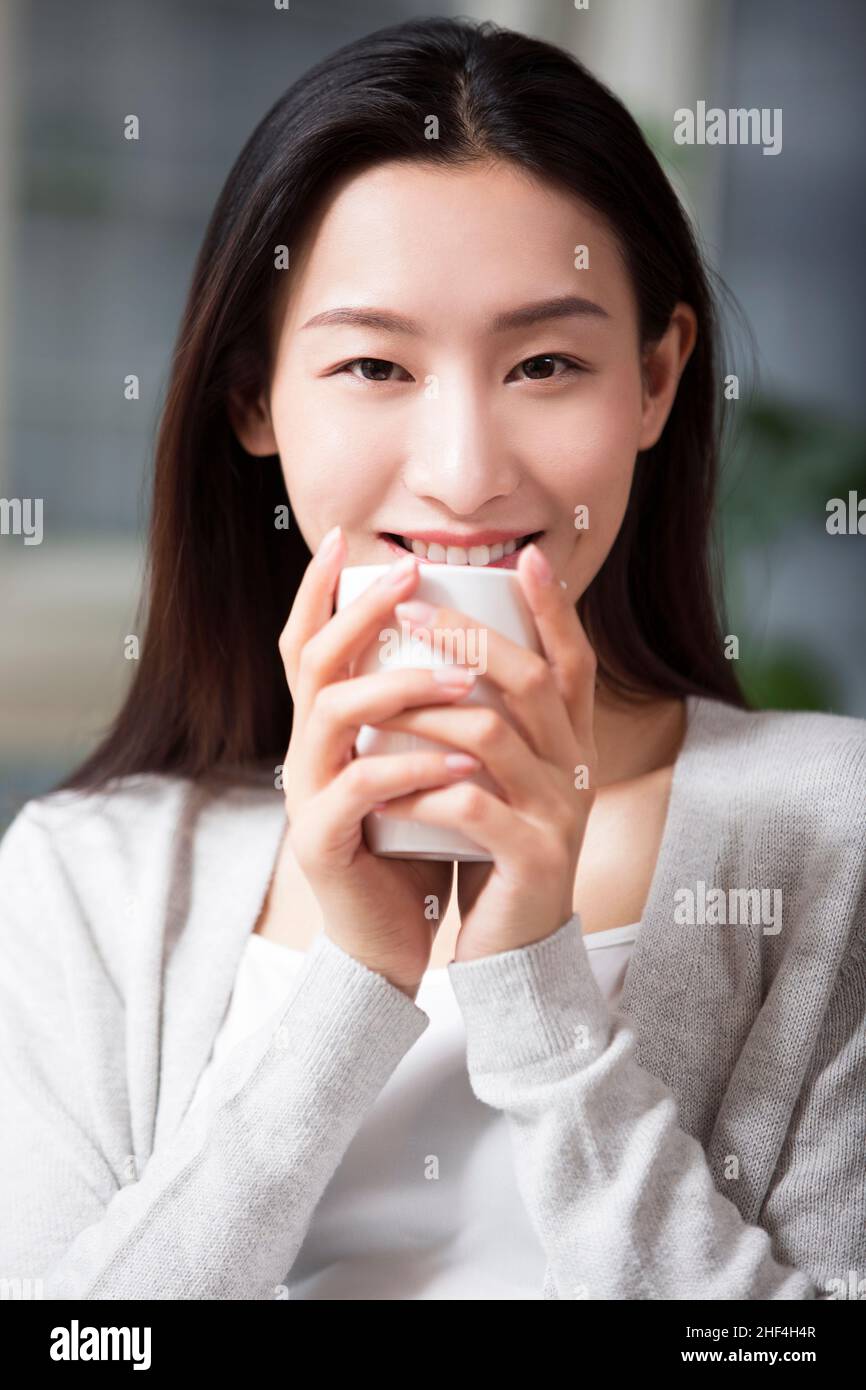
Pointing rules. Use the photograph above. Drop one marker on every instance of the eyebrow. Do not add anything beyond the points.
(541, 311)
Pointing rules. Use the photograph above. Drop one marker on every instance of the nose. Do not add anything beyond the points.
(463, 462)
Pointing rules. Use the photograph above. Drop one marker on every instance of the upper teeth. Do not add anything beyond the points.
(458, 554)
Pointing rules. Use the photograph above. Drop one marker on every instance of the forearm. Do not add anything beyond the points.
(621, 1197)
(220, 1211)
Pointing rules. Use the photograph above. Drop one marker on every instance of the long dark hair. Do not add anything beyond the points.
(209, 690)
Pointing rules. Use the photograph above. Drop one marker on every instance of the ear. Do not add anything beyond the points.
(662, 366)
(251, 422)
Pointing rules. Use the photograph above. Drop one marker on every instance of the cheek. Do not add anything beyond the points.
(308, 435)
(612, 414)
(331, 474)
(596, 472)
(604, 483)
(596, 453)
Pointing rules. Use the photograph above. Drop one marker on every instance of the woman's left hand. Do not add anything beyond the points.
(534, 829)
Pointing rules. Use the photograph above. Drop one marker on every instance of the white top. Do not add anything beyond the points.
(424, 1203)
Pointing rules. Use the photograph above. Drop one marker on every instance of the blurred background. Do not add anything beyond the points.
(98, 237)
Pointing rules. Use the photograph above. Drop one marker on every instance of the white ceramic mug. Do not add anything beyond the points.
(495, 600)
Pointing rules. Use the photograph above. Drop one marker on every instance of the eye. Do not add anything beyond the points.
(380, 368)
(539, 364)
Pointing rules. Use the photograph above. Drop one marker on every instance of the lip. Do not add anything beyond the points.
(507, 562)
(466, 538)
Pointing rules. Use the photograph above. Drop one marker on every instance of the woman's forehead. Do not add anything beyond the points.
(420, 241)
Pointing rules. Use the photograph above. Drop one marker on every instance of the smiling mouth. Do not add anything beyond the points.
(501, 553)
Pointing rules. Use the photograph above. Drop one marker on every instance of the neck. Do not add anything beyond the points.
(634, 738)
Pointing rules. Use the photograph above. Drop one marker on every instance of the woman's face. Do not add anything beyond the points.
(450, 370)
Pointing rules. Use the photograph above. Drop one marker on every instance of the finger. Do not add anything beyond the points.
(524, 677)
(332, 818)
(470, 809)
(314, 601)
(328, 655)
(524, 779)
(567, 648)
(341, 708)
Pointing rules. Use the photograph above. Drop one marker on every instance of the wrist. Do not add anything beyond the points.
(480, 946)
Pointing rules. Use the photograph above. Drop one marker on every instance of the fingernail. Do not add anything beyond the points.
(400, 571)
(461, 763)
(540, 564)
(456, 676)
(328, 543)
(415, 611)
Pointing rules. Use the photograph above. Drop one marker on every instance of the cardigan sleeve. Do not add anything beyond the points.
(221, 1209)
(621, 1197)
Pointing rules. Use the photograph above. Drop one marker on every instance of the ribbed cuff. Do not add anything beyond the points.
(343, 1026)
(532, 1003)
(367, 1000)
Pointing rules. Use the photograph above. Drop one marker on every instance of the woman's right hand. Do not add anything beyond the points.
(373, 907)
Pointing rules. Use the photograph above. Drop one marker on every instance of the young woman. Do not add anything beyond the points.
(447, 305)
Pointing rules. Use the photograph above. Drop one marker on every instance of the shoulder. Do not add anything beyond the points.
(75, 830)
(786, 794)
(803, 763)
(132, 814)
(71, 860)
(105, 864)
